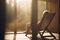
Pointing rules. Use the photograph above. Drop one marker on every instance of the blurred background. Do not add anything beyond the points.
(19, 12)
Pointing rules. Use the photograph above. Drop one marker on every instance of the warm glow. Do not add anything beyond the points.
(7, 1)
(23, 1)
(12, 3)
(24, 4)
(23, 10)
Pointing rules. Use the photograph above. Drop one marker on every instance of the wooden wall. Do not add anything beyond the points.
(53, 7)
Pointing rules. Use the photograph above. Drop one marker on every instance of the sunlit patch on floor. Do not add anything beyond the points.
(20, 36)
(9, 36)
(47, 34)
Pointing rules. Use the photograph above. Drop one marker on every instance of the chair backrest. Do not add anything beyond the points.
(46, 20)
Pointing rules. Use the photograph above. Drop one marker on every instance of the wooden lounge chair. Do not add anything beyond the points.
(44, 24)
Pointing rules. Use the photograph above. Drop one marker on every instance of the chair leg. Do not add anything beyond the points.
(51, 33)
(43, 33)
(40, 34)
(42, 37)
(26, 34)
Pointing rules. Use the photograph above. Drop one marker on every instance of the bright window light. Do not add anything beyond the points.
(7, 1)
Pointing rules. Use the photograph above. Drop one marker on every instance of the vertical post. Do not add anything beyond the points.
(59, 18)
(34, 20)
(15, 16)
(2, 19)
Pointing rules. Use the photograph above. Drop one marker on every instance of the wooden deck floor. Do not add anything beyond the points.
(21, 36)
